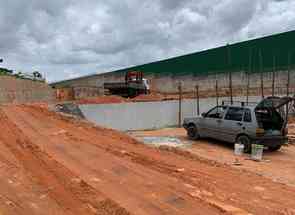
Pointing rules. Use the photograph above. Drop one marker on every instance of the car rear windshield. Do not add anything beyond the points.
(269, 119)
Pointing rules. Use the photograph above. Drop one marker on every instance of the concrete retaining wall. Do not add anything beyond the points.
(147, 115)
(14, 90)
(169, 83)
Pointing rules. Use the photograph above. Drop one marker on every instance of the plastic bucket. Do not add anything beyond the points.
(239, 149)
(256, 152)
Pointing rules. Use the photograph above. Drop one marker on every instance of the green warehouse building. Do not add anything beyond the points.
(268, 58)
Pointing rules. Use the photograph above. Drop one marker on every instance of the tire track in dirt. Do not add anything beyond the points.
(211, 180)
(72, 194)
(230, 186)
(171, 201)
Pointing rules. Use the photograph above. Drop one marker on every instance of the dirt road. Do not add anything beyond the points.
(50, 164)
(278, 166)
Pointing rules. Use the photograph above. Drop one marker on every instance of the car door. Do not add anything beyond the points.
(210, 123)
(233, 124)
(249, 125)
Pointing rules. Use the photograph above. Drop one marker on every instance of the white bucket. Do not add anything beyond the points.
(239, 149)
(257, 152)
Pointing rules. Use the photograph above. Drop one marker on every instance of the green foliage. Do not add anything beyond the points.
(4, 71)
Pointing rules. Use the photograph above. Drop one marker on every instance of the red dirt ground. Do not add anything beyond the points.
(278, 166)
(102, 100)
(118, 99)
(55, 165)
(150, 97)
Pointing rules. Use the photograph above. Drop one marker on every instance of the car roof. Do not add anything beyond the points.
(269, 102)
(239, 106)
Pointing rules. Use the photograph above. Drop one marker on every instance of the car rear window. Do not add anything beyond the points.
(269, 118)
(235, 114)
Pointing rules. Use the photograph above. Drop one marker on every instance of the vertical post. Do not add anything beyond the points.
(288, 75)
(216, 92)
(198, 100)
(288, 85)
(248, 75)
(180, 105)
(261, 74)
(248, 87)
(230, 74)
(103, 89)
(273, 76)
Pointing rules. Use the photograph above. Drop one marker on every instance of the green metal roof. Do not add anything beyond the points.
(279, 47)
(216, 60)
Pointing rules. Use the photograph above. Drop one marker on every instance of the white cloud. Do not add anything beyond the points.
(68, 38)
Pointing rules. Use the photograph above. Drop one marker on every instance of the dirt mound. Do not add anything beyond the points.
(117, 99)
(92, 170)
(59, 183)
(102, 100)
(150, 97)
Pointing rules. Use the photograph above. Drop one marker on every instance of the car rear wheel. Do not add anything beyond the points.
(274, 148)
(245, 140)
(192, 132)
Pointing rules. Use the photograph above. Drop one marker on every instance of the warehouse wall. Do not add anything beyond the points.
(203, 68)
(207, 83)
(168, 84)
(14, 90)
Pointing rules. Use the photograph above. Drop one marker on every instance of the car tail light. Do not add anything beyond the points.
(260, 131)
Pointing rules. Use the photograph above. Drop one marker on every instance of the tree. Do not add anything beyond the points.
(37, 74)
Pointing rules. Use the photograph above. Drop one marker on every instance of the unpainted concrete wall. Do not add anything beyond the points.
(147, 115)
(13, 90)
(169, 84)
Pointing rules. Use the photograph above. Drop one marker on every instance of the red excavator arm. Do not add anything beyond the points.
(134, 76)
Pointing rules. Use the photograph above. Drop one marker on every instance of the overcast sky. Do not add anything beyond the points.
(70, 38)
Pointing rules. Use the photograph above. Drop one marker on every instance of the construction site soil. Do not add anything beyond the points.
(52, 164)
(278, 166)
(118, 99)
(102, 100)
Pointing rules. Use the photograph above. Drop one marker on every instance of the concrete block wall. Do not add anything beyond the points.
(13, 90)
(168, 84)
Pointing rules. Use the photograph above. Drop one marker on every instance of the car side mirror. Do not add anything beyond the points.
(203, 114)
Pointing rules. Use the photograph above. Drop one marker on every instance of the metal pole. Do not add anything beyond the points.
(180, 105)
(103, 89)
(273, 76)
(230, 74)
(198, 100)
(261, 74)
(288, 76)
(216, 92)
(248, 86)
(248, 75)
(288, 86)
